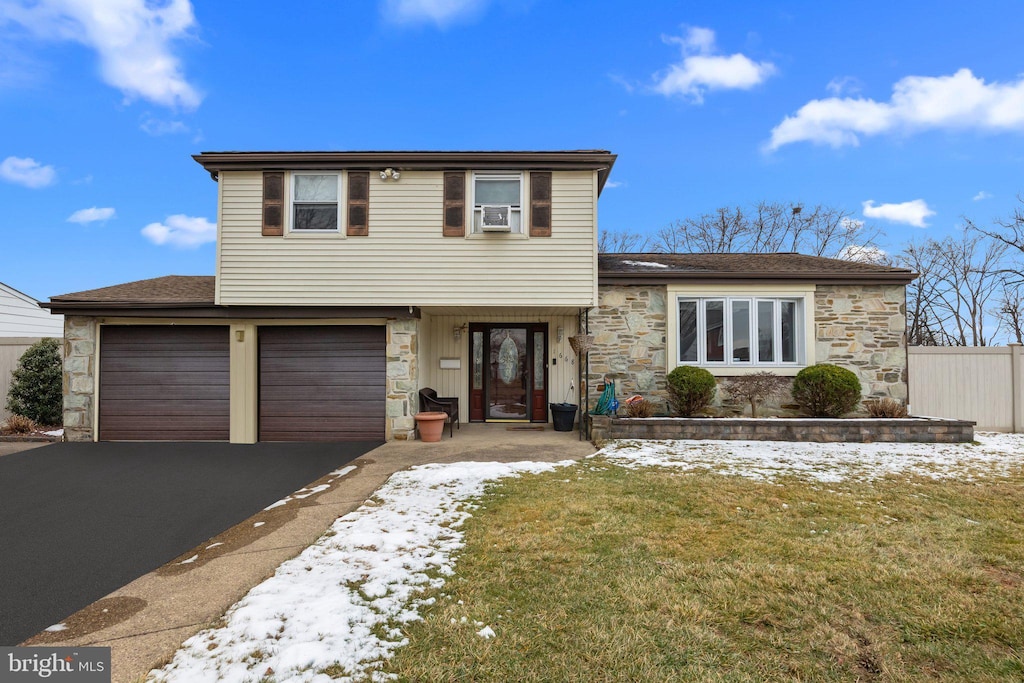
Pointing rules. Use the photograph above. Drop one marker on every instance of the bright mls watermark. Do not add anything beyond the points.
(72, 664)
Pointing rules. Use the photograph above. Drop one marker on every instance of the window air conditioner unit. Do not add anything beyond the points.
(496, 218)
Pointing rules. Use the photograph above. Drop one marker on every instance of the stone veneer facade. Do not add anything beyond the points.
(629, 327)
(859, 327)
(79, 377)
(863, 328)
(402, 372)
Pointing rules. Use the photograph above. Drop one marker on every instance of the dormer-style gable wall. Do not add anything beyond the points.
(408, 228)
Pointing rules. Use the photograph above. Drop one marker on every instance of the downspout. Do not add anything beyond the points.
(586, 315)
(579, 375)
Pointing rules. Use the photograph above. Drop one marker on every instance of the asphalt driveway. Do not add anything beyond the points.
(78, 521)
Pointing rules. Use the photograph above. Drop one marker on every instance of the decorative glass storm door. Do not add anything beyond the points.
(509, 377)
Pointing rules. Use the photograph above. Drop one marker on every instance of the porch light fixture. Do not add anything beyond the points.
(560, 333)
(457, 331)
(390, 174)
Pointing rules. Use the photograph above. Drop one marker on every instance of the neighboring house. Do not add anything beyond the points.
(22, 323)
(347, 281)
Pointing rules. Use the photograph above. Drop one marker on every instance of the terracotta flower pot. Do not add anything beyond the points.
(431, 425)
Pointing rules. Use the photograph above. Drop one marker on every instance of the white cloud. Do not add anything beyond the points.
(612, 184)
(958, 102)
(92, 215)
(846, 84)
(912, 213)
(626, 84)
(863, 254)
(133, 39)
(701, 70)
(179, 230)
(157, 127)
(27, 172)
(439, 12)
(982, 195)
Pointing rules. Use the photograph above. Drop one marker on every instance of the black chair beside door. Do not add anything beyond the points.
(449, 405)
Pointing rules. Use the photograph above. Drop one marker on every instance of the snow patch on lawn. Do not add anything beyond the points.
(994, 455)
(337, 604)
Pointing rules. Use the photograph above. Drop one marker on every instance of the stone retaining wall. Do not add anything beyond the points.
(857, 430)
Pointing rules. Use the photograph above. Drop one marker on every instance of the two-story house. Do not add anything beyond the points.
(347, 281)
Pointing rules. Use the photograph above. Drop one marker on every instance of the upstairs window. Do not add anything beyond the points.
(498, 202)
(315, 202)
(740, 331)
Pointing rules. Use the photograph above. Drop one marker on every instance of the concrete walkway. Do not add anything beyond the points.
(9, 447)
(147, 620)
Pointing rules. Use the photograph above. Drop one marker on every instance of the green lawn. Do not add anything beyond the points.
(598, 573)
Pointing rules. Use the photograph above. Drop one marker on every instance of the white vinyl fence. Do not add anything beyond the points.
(980, 383)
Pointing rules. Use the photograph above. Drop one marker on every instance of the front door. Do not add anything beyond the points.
(509, 378)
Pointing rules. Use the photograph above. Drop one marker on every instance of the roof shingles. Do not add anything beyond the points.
(761, 266)
(170, 289)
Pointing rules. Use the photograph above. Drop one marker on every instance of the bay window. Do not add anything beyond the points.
(740, 331)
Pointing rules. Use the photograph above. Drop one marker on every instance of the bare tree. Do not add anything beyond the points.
(770, 227)
(1011, 311)
(973, 270)
(959, 282)
(1010, 233)
(924, 324)
(622, 242)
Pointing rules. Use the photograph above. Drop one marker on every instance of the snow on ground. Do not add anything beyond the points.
(994, 454)
(337, 602)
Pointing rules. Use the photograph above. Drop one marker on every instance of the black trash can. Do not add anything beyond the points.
(563, 415)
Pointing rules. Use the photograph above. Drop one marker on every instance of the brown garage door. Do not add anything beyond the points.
(164, 383)
(322, 383)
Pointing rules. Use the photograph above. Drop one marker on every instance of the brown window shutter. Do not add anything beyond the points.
(273, 204)
(358, 203)
(455, 204)
(540, 204)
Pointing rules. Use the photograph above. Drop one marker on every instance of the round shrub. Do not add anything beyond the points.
(36, 391)
(690, 389)
(825, 390)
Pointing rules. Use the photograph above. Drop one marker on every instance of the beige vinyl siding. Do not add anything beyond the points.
(405, 260)
(437, 341)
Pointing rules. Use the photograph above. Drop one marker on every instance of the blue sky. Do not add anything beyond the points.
(910, 115)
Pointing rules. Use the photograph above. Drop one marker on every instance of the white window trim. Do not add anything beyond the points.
(804, 294)
(523, 209)
(339, 231)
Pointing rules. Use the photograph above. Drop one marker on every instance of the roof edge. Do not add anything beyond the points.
(585, 159)
(100, 309)
(893, 277)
